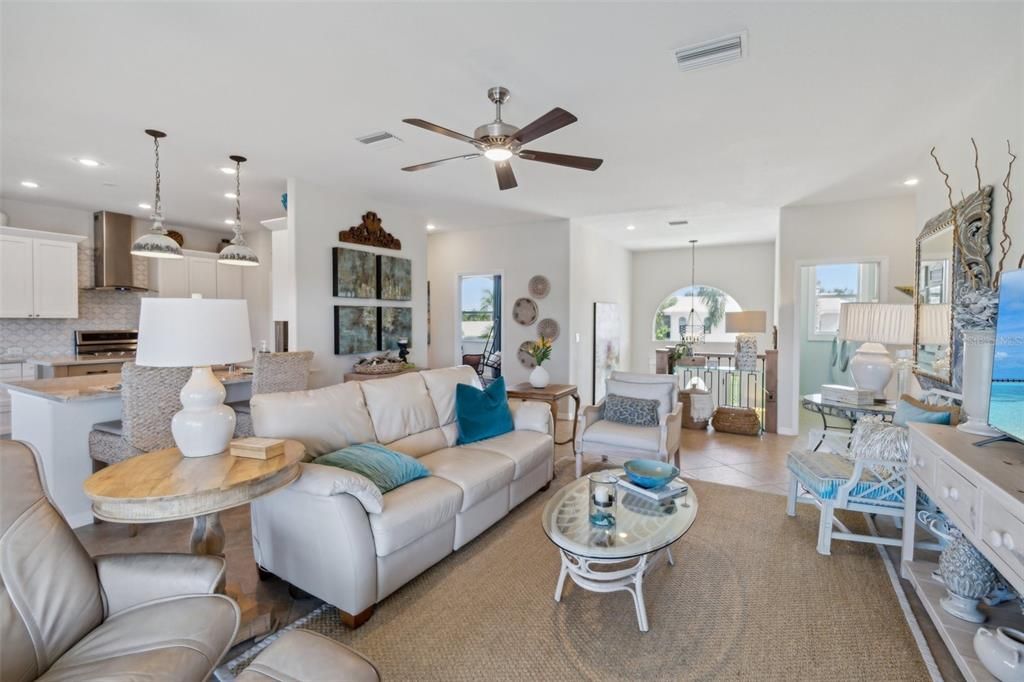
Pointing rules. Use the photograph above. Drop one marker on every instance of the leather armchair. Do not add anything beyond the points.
(305, 655)
(65, 616)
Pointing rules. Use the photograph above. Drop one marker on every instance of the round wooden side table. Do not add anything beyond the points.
(165, 486)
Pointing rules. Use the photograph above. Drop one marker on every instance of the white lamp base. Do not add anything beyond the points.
(871, 368)
(205, 426)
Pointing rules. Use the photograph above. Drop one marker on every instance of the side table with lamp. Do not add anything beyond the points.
(875, 325)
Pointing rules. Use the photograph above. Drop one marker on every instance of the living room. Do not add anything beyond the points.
(704, 336)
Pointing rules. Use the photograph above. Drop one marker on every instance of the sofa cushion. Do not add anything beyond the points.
(386, 468)
(412, 511)
(604, 432)
(482, 414)
(399, 406)
(419, 444)
(526, 449)
(441, 385)
(323, 419)
(477, 472)
(176, 639)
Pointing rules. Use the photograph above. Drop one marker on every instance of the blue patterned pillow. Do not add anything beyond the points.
(632, 411)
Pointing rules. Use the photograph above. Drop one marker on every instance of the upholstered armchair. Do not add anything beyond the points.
(613, 441)
(67, 616)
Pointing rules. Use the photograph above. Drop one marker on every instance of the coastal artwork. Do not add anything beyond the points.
(355, 273)
(1006, 406)
(395, 278)
(606, 345)
(355, 329)
(395, 324)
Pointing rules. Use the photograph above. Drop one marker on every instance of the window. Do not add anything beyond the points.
(832, 285)
(709, 305)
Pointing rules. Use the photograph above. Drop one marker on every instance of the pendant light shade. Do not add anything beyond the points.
(693, 331)
(156, 243)
(238, 252)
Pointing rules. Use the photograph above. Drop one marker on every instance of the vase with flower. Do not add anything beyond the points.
(541, 352)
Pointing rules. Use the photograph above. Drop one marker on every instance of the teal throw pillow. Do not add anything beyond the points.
(482, 414)
(908, 412)
(386, 468)
(623, 409)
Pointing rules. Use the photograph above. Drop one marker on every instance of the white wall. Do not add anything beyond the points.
(518, 252)
(873, 229)
(315, 216)
(744, 271)
(600, 271)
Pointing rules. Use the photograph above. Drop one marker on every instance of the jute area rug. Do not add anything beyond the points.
(748, 599)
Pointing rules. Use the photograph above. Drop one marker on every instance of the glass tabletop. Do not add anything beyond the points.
(641, 525)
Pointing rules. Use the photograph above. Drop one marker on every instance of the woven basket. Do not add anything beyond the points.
(380, 368)
(741, 420)
(688, 421)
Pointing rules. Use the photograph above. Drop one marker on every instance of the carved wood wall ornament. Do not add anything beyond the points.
(370, 233)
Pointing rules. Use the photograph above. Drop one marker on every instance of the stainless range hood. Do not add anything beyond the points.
(112, 238)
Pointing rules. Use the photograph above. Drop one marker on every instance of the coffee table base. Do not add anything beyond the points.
(629, 579)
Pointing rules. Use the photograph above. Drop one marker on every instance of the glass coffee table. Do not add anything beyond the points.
(618, 557)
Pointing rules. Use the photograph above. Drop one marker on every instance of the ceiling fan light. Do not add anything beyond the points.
(498, 154)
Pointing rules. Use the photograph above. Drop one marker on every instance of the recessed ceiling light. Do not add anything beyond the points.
(145, 205)
(431, 227)
(230, 195)
(90, 163)
(910, 182)
(229, 221)
(29, 184)
(227, 170)
(630, 227)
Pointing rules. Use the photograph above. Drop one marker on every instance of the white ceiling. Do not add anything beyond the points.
(836, 101)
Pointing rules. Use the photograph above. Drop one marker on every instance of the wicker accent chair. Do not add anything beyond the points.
(150, 396)
(273, 373)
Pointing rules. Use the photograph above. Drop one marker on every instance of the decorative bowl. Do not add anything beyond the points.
(649, 473)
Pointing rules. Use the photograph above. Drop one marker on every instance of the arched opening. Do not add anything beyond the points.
(709, 305)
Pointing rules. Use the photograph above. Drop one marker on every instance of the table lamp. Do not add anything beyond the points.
(196, 332)
(745, 325)
(874, 325)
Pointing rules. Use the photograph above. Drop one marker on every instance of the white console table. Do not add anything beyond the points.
(981, 490)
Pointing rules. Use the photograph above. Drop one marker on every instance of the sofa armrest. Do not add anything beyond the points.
(128, 580)
(671, 431)
(532, 415)
(323, 480)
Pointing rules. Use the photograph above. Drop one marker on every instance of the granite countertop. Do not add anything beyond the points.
(94, 386)
(65, 360)
(12, 359)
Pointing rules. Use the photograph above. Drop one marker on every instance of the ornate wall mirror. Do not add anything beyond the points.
(945, 263)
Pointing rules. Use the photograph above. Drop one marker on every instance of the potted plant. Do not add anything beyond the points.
(541, 352)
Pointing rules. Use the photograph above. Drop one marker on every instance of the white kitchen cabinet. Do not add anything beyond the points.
(202, 276)
(38, 274)
(9, 371)
(198, 273)
(172, 277)
(229, 281)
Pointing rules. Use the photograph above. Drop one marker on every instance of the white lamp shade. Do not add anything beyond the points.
(746, 322)
(886, 323)
(193, 332)
(934, 324)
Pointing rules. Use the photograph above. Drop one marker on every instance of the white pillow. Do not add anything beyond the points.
(662, 392)
(320, 479)
(530, 415)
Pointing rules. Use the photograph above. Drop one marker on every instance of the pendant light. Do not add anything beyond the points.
(156, 243)
(238, 252)
(693, 331)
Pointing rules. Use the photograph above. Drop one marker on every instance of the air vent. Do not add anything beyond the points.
(727, 49)
(379, 139)
(678, 223)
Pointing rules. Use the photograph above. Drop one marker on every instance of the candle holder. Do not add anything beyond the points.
(602, 498)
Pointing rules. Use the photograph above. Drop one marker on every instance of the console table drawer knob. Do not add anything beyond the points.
(995, 538)
(1008, 542)
(945, 491)
(919, 463)
(954, 494)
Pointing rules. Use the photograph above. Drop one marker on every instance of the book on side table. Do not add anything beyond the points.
(257, 448)
(677, 487)
(847, 395)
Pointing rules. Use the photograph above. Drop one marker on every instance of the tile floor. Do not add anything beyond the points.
(756, 462)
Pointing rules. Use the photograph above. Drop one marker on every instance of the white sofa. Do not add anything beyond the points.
(352, 548)
(621, 442)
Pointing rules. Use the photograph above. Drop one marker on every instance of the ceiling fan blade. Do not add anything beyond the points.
(548, 123)
(506, 178)
(431, 164)
(433, 127)
(580, 162)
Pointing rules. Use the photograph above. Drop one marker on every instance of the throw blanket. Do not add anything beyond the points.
(702, 406)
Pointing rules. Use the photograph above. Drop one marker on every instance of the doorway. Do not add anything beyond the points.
(479, 334)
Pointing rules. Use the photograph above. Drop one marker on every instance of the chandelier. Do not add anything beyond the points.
(692, 333)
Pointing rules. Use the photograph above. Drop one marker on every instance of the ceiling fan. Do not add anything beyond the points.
(499, 141)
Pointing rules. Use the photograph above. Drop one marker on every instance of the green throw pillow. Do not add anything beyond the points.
(386, 468)
(482, 414)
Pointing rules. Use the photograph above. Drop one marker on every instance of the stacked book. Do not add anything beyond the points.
(847, 395)
(675, 488)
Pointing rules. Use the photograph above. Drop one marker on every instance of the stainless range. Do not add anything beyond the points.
(96, 352)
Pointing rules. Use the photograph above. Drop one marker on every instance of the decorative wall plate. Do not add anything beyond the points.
(525, 356)
(524, 311)
(539, 286)
(548, 328)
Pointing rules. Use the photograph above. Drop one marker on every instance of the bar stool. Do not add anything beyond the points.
(273, 373)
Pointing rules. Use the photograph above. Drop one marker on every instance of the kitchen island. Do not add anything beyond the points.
(55, 416)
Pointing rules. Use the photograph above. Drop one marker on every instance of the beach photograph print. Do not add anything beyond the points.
(1006, 406)
(355, 273)
(355, 329)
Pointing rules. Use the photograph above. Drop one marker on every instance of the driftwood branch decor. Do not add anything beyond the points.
(952, 210)
(1005, 242)
(370, 233)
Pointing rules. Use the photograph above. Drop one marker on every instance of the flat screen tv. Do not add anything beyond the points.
(1006, 406)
